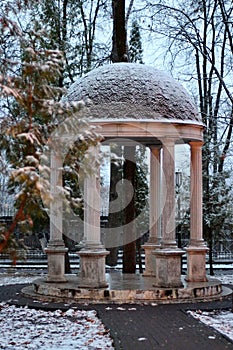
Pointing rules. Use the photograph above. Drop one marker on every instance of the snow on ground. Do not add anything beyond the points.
(7, 279)
(222, 321)
(25, 328)
(225, 279)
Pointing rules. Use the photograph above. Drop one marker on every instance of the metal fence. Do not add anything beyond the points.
(223, 250)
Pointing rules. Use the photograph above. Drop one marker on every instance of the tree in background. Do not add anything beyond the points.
(135, 44)
(141, 199)
(135, 53)
(200, 32)
(31, 109)
(6, 200)
(115, 219)
(119, 35)
(120, 54)
(72, 27)
(133, 157)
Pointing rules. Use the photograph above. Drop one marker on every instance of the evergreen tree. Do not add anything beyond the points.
(141, 199)
(71, 28)
(31, 109)
(135, 44)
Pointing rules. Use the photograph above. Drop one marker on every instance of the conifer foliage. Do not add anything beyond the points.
(31, 109)
(135, 44)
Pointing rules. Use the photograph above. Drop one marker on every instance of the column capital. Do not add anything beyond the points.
(155, 152)
(155, 147)
(168, 140)
(196, 144)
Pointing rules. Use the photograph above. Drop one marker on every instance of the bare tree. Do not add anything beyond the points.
(119, 37)
(199, 49)
(73, 27)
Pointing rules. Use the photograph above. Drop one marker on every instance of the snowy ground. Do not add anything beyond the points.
(25, 328)
(17, 278)
(222, 321)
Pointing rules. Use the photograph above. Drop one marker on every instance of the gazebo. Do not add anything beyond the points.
(140, 103)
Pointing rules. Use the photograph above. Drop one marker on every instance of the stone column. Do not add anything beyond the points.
(168, 258)
(56, 249)
(168, 217)
(196, 251)
(155, 211)
(93, 254)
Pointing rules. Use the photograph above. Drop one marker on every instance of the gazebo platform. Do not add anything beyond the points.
(126, 288)
(131, 105)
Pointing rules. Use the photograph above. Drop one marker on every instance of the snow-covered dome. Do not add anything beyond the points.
(129, 91)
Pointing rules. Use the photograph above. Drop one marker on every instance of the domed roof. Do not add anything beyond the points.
(130, 91)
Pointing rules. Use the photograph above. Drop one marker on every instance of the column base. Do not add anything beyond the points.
(196, 264)
(150, 260)
(92, 268)
(168, 268)
(56, 263)
(169, 245)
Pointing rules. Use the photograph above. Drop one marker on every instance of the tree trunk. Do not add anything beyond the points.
(120, 54)
(139, 247)
(119, 37)
(67, 258)
(129, 249)
(211, 258)
(114, 218)
(210, 246)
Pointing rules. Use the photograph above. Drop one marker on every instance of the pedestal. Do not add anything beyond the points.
(196, 264)
(92, 268)
(56, 263)
(168, 267)
(150, 260)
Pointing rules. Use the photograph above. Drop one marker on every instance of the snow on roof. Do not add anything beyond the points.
(133, 91)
